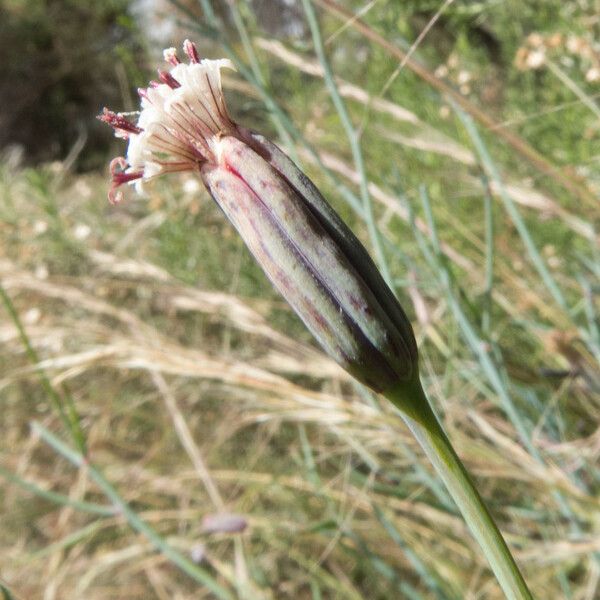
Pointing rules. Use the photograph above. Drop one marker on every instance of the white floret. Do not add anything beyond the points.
(180, 122)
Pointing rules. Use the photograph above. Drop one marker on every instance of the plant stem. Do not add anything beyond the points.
(420, 418)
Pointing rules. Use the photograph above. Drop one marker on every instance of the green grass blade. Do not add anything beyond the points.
(353, 139)
(6, 595)
(56, 498)
(494, 174)
(64, 406)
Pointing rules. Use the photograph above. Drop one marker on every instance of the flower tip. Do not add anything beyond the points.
(121, 172)
(170, 56)
(176, 129)
(106, 116)
(122, 126)
(192, 52)
(115, 196)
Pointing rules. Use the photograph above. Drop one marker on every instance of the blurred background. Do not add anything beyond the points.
(170, 430)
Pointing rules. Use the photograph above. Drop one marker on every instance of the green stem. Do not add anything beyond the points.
(420, 418)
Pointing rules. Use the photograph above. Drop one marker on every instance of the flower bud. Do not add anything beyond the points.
(303, 246)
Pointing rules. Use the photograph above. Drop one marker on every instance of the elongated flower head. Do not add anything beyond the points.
(303, 246)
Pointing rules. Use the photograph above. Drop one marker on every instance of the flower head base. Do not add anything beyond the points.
(303, 246)
(182, 116)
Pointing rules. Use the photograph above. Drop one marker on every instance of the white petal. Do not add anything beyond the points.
(152, 169)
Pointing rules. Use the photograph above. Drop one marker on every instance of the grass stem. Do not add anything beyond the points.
(421, 420)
